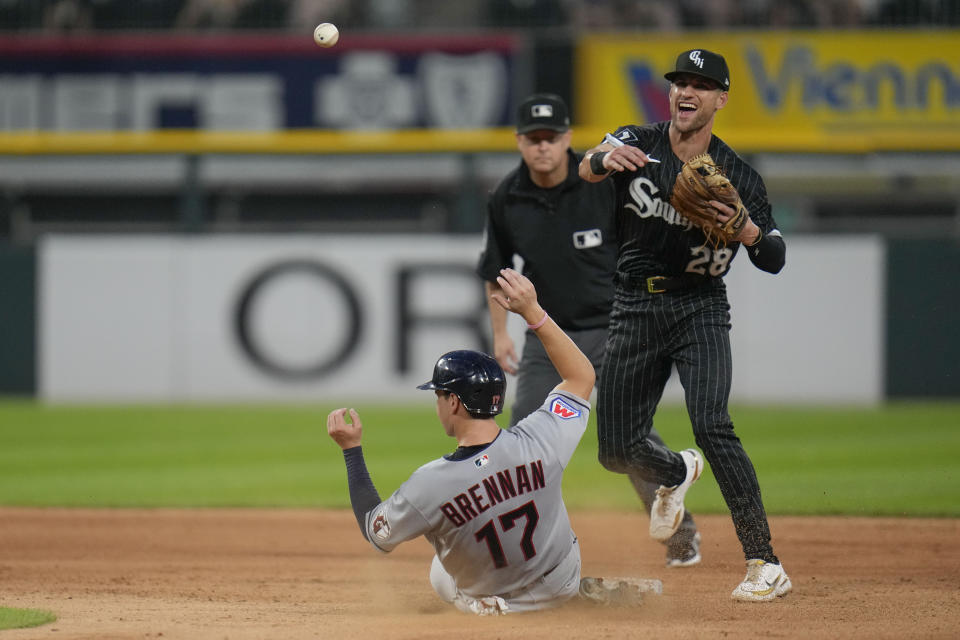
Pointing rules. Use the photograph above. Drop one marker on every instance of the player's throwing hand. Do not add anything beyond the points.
(625, 158)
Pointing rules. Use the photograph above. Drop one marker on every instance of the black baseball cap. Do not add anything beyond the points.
(543, 111)
(706, 64)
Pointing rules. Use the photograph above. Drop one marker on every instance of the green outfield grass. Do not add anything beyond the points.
(901, 459)
(23, 618)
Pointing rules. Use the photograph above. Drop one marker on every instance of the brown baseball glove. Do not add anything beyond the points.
(701, 180)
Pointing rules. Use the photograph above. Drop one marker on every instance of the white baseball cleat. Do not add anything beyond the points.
(667, 510)
(764, 582)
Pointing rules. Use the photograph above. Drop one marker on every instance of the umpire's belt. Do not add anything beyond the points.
(661, 284)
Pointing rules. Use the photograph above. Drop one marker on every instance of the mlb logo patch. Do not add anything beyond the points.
(559, 407)
(481, 461)
(542, 111)
(587, 239)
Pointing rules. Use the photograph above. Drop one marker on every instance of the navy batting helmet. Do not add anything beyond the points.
(474, 377)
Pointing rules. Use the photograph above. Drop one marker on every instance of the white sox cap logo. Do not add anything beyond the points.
(701, 62)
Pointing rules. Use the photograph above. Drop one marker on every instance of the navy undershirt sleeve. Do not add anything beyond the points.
(363, 495)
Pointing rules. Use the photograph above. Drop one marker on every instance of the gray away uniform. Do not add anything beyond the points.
(496, 517)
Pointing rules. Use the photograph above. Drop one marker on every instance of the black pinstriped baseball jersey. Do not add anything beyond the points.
(654, 238)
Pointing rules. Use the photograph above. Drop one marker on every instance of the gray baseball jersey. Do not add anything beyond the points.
(496, 518)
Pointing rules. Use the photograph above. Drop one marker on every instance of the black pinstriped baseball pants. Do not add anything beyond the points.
(690, 329)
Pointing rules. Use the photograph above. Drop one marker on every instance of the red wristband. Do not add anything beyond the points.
(543, 320)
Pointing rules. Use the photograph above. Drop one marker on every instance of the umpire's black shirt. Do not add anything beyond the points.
(566, 237)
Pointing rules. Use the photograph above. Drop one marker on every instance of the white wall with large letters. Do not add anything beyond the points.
(325, 318)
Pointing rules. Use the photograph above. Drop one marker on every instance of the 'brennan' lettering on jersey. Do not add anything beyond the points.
(497, 487)
(645, 193)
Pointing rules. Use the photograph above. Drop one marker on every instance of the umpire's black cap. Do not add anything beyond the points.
(543, 111)
(701, 62)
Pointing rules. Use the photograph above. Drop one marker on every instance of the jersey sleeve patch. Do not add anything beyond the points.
(563, 409)
(624, 135)
(381, 528)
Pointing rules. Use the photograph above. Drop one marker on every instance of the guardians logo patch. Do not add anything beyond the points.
(559, 407)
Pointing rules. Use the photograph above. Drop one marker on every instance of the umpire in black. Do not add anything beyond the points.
(563, 228)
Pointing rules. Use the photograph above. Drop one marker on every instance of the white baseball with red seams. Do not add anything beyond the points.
(326, 34)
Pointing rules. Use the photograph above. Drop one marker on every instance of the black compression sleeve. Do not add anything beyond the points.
(363, 495)
(769, 254)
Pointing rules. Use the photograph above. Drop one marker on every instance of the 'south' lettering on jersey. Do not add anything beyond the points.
(648, 204)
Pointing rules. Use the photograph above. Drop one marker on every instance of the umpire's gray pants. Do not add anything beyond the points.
(537, 377)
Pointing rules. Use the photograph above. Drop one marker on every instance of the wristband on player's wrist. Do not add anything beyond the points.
(596, 164)
(759, 238)
(537, 325)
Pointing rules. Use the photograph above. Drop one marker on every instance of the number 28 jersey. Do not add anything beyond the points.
(654, 238)
(496, 518)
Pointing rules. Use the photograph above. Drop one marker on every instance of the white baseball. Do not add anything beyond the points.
(326, 34)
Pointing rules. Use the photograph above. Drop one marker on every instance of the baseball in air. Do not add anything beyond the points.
(326, 34)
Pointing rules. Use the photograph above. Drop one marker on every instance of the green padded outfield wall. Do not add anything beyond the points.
(923, 318)
(18, 320)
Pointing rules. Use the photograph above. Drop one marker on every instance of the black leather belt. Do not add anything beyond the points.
(662, 284)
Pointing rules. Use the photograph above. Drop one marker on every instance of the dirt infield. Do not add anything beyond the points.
(292, 574)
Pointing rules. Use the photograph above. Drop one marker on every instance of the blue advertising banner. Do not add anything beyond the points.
(255, 82)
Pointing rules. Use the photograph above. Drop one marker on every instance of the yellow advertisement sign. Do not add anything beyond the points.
(843, 91)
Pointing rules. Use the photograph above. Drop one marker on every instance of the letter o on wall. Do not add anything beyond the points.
(349, 304)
